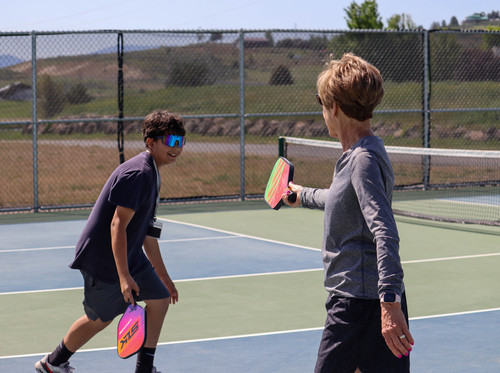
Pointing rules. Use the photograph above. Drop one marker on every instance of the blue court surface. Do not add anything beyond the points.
(277, 284)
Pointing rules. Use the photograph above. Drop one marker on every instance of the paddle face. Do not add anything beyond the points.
(131, 331)
(278, 181)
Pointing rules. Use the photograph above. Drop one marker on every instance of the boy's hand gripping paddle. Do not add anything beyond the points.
(277, 184)
(131, 331)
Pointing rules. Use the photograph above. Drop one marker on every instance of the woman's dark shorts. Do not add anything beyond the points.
(352, 339)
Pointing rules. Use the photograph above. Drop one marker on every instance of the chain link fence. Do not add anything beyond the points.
(71, 104)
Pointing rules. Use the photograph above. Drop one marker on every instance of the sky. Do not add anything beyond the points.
(64, 15)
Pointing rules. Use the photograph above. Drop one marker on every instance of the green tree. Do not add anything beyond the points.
(495, 14)
(364, 16)
(52, 96)
(454, 23)
(435, 25)
(401, 22)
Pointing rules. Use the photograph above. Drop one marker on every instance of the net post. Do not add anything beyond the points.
(282, 146)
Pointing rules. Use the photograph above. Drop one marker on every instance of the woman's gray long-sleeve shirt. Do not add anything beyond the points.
(360, 244)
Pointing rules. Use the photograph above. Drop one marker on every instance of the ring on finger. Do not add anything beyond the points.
(402, 336)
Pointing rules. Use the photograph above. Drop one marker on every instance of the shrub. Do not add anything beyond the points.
(78, 95)
(51, 96)
(281, 76)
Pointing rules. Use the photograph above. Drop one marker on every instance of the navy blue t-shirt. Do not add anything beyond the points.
(134, 185)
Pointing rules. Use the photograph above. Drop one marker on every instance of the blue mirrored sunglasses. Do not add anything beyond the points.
(171, 140)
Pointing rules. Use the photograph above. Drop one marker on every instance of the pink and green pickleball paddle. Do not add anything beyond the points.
(131, 331)
(277, 184)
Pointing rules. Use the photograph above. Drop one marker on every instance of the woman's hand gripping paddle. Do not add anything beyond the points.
(277, 184)
(131, 331)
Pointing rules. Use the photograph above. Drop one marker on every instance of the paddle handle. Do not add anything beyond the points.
(292, 197)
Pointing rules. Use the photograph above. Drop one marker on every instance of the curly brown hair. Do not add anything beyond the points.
(162, 122)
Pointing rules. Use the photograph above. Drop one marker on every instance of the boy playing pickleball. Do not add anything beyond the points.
(110, 252)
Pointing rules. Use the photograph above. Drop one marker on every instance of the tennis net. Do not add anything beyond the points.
(453, 185)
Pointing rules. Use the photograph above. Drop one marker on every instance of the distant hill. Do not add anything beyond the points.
(8, 60)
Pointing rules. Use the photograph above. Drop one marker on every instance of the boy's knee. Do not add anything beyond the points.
(165, 302)
(158, 305)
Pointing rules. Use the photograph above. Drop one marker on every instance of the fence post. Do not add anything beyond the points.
(426, 111)
(35, 122)
(242, 116)
(119, 130)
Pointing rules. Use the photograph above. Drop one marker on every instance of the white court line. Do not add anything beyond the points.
(240, 234)
(72, 247)
(199, 239)
(254, 335)
(450, 258)
(36, 249)
(181, 280)
(40, 291)
(251, 275)
(454, 314)
(269, 273)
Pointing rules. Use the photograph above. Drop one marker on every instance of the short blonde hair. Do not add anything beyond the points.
(353, 84)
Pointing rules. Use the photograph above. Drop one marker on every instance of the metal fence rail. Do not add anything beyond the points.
(71, 103)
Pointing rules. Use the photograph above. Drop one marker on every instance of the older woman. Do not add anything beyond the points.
(367, 319)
